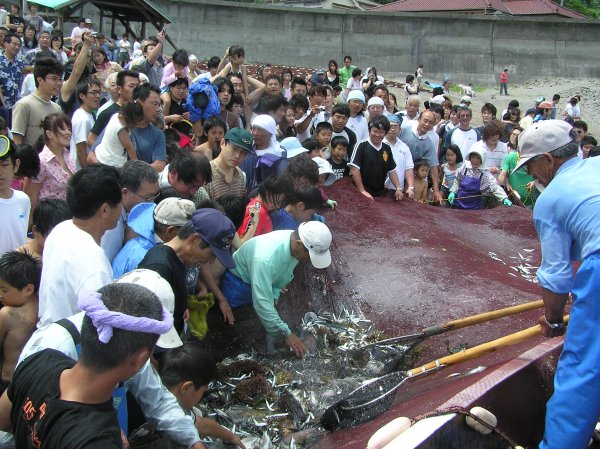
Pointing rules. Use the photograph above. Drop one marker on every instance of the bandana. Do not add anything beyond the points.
(105, 320)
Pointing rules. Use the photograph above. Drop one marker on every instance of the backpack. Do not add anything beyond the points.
(202, 100)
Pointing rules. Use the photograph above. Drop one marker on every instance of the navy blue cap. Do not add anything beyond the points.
(217, 230)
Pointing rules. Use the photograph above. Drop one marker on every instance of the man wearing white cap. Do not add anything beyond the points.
(265, 266)
(357, 122)
(375, 107)
(566, 220)
(159, 406)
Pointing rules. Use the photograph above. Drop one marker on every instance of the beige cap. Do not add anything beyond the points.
(174, 211)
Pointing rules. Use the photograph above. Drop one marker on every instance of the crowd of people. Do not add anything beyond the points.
(141, 197)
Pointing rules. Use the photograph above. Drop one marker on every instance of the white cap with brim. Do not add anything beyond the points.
(316, 237)
(542, 137)
(161, 288)
(325, 168)
(292, 146)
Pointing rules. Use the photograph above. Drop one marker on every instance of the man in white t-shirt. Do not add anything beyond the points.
(410, 115)
(74, 260)
(88, 92)
(463, 135)
(402, 157)
(357, 121)
(78, 31)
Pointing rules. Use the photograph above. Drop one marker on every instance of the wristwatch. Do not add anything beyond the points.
(554, 325)
(411, 188)
(398, 188)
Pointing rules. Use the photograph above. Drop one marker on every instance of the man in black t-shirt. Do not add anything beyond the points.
(207, 235)
(372, 162)
(55, 402)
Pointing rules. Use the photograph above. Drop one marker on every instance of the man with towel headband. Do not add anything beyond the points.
(54, 401)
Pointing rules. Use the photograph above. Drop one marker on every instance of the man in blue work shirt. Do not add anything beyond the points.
(566, 219)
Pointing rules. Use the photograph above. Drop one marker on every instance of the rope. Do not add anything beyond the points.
(463, 411)
(456, 198)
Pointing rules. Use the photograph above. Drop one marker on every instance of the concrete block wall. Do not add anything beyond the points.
(468, 48)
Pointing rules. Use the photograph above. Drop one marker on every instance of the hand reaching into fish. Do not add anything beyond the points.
(296, 345)
(226, 311)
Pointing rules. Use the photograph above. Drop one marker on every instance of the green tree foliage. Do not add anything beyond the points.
(590, 8)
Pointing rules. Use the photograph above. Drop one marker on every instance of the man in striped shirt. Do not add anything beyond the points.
(227, 177)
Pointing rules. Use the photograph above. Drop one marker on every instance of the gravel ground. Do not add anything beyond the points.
(527, 93)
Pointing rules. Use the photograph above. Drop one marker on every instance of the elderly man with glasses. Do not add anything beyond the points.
(139, 184)
(566, 220)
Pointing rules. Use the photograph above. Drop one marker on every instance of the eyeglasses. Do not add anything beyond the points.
(94, 92)
(4, 145)
(148, 198)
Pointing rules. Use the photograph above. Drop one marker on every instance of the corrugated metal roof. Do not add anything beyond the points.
(512, 7)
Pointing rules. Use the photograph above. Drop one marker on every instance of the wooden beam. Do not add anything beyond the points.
(128, 27)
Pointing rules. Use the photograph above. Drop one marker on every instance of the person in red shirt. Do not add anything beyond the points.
(271, 196)
(504, 81)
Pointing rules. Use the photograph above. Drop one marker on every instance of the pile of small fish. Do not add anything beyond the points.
(524, 268)
(277, 402)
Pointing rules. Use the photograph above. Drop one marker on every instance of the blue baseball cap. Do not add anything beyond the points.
(217, 230)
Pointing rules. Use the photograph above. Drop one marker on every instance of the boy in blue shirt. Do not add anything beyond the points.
(302, 205)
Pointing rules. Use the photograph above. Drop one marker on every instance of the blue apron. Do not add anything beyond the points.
(469, 186)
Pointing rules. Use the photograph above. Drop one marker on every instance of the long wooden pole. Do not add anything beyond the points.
(479, 350)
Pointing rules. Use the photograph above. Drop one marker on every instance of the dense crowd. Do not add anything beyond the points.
(159, 198)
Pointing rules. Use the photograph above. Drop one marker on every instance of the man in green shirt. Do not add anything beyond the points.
(346, 71)
(265, 266)
(518, 180)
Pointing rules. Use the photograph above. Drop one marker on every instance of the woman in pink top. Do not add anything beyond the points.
(56, 166)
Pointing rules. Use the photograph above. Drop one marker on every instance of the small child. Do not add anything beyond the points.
(14, 204)
(237, 57)
(177, 68)
(29, 166)
(421, 170)
(301, 206)
(19, 283)
(323, 134)
(339, 157)
(326, 178)
(47, 214)
(314, 148)
(450, 168)
(214, 130)
(116, 136)
(587, 143)
(186, 371)
(472, 182)
(272, 194)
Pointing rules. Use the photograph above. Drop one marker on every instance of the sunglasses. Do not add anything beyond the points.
(4, 145)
